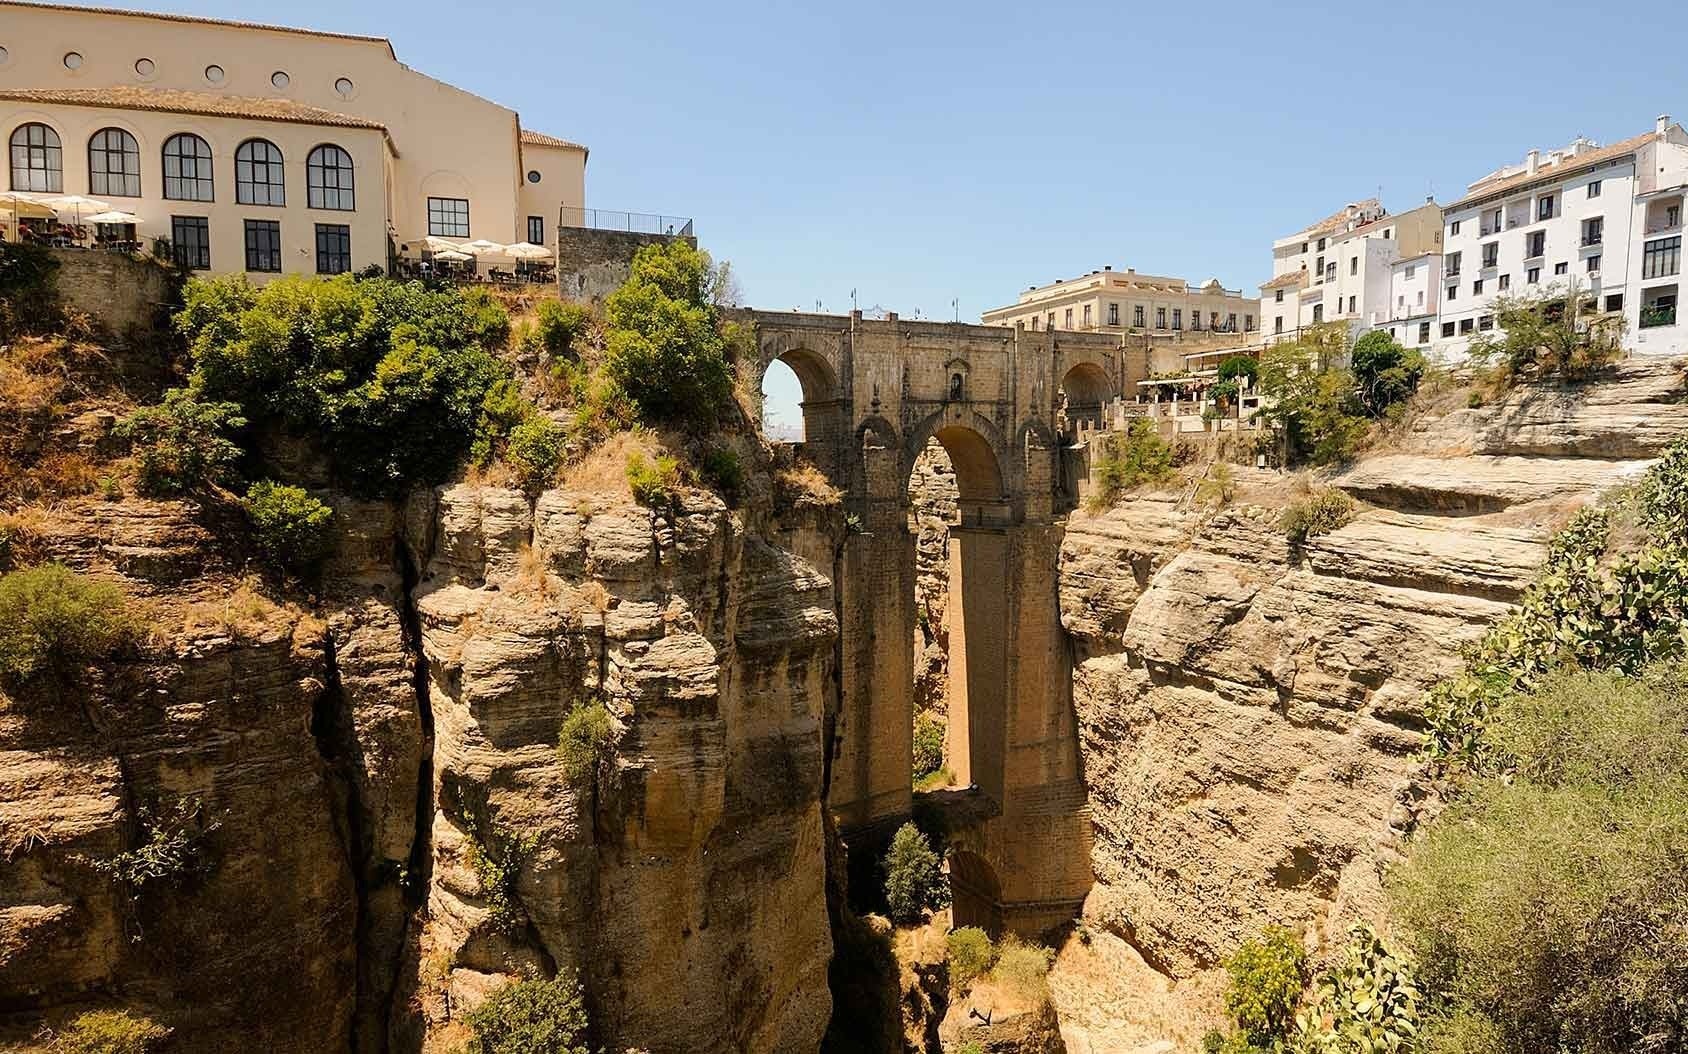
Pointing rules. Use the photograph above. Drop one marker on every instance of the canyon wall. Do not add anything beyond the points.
(1249, 709)
(350, 754)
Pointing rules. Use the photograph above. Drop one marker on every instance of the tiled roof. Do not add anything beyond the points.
(1284, 281)
(1560, 169)
(197, 19)
(532, 138)
(205, 104)
(1336, 219)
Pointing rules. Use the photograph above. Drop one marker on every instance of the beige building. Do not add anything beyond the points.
(266, 149)
(1128, 302)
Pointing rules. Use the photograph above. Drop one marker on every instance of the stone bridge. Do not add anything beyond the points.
(999, 400)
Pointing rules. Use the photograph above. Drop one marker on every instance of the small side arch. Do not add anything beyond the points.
(975, 893)
(1085, 392)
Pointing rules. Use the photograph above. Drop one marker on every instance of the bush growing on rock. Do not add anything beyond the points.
(172, 848)
(54, 622)
(536, 449)
(1121, 463)
(107, 1032)
(1267, 974)
(585, 741)
(496, 858)
(1371, 1002)
(183, 444)
(653, 483)
(1313, 401)
(28, 296)
(1556, 334)
(558, 326)
(1319, 514)
(914, 877)
(531, 1017)
(1385, 373)
(969, 953)
(291, 527)
(1547, 903)
(722, 470)
(928, 745)
(664, 346)
(396, 377)
(1023, 969)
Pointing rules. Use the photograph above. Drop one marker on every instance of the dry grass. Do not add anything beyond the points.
(804, 481)
(244, 613)
(598, 595)
(533, 577)
(604, 469)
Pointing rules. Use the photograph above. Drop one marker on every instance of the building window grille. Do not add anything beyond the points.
(328, 179)
(190, 242)
(333, 248)
(259, 177)
(37, 159)
(263, 245)
(448, 217)
(114, 164)
(187, 169)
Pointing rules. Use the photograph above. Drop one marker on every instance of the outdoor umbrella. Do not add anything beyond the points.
(453, 255)
(114, 217)
(24, 207)
(76, 203)
(482, 247)
(527, 251)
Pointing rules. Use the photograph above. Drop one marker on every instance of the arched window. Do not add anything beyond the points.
(114, 164)
(258, 178)
(187, 169)
(37, 159)
(328, 179)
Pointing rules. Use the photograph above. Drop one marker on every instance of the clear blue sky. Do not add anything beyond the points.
(929, 150)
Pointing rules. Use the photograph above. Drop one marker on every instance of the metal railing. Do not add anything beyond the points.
(632, 222)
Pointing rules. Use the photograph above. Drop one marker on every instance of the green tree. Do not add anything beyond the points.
(536, 449)
(969, 953)
(1556, 334)
(1312, 400)
(531, 1017)
(928, 745)
(1267, 974)
(1384, 372)
(664, 345)
(292, 528)
(914, 878)
(183, 444)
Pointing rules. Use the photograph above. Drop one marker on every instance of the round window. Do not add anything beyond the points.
(533, 175)
(145, 67)
(73, 60)
(214, 74)
(344, 86)
(280, 79)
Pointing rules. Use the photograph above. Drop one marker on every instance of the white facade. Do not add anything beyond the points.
(1574, 217)
(1414, 285)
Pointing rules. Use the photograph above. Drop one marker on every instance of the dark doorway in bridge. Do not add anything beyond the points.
(975, 893)
(1085, 395)
(959, 525)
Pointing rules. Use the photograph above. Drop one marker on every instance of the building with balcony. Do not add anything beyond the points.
(1129, 302)
(1604, 220)
(263, 149)
(1343, 269)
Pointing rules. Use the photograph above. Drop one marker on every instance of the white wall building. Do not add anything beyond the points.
(1342, 268)
(1414, 301)
(1599, 218)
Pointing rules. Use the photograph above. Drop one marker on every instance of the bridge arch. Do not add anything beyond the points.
(975, 892)
(975, 447)
(1086, 391)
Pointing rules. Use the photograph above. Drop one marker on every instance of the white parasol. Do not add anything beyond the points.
(527, 251)
(453, 255)
(114, 217)
(482, 247)
(76, 203)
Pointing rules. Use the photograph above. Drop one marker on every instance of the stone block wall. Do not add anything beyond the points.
(119, 292)
(592, 263)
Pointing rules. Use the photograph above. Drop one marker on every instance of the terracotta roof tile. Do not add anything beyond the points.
(1335, 220)
(532, 138)
(205, 104)
(1561, 169)
(1284, 281)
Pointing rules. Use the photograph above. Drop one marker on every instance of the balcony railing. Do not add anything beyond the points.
(1592, 239)
(1653, 317)
(631, 222)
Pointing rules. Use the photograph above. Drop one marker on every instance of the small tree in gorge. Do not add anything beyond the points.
(665, 348)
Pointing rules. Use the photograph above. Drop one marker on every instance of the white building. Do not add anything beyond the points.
(1605, 219)
(1414, 301)
(1343, 268)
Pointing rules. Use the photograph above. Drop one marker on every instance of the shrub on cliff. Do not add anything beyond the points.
(530, 1017)
(914, 877)
(664, 346)
(928, 744)
(653, 483)
(1123, 462)
(1267, 974)
(1552, 335)
(586, 739)
(291, 527)
(1369, 1002)
(559, 326)
(28, 296)
(722, 470)
(1547, 903)
(969, 953)
(183, 444)
(1320, 513)
(536, 449)
(1023, 969)
(172, 846)
(1311, 399)
(54, 622)
(1384, 372)
(107, 1032)
(397, 378)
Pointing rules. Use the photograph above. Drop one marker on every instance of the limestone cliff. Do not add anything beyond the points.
(346, 747)
(1249, 710)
